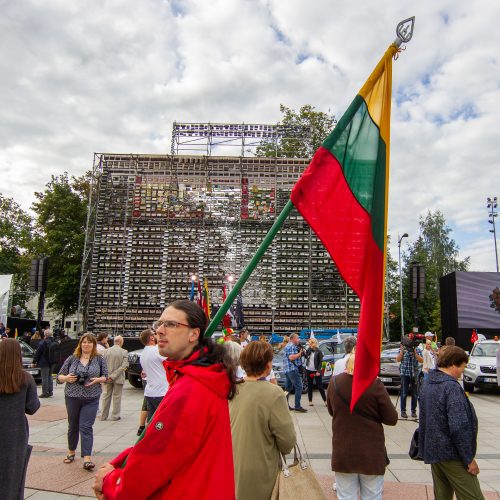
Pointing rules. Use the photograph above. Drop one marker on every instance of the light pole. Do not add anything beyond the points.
(405, 235)
(492, 205)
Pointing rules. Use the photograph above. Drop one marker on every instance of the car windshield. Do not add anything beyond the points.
(489, 350)
(27, 352)
(388, 355)
(331, 348)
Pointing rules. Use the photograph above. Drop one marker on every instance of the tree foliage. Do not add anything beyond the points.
(303, 133)
(438, 252)
(61, 212)
(16, 245)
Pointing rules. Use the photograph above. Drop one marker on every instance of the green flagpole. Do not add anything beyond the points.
(249, 269)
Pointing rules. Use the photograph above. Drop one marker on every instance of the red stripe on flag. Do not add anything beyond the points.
(326, 201)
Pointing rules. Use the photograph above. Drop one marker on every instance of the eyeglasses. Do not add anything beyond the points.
(168, 324)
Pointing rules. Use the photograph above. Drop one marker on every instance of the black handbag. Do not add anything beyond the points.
(414, 451)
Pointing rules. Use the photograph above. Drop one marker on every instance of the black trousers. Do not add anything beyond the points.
(311, 377)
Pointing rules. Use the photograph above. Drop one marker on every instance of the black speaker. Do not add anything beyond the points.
(417, 280)
(35, 263)
(43, 274)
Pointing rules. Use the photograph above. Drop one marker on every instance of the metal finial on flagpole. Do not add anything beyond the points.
(404, 31)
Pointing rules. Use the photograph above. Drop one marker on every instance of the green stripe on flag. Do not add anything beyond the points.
(358, 147)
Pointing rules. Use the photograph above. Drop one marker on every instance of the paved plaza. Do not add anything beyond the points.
(49, 479)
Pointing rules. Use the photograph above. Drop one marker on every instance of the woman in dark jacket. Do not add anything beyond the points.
(359, 456)
(17, 397)
(448, 429)
(314, 362)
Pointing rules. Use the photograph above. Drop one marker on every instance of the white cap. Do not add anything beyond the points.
(429, 334)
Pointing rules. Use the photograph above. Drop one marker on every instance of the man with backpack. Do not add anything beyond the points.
(44, 360)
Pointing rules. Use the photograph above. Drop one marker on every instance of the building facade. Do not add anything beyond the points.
(155, 221)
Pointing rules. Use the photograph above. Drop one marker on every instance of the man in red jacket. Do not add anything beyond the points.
(186, 451)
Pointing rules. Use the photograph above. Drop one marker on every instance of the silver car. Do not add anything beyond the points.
(481, 370)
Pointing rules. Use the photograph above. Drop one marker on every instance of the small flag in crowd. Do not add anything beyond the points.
(206, 299)
(474, 338)
(191, 293)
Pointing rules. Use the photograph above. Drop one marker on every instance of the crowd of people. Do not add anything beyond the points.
(208, 404)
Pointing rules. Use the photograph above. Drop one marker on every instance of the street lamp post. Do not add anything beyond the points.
(492, 205)
(405, 235)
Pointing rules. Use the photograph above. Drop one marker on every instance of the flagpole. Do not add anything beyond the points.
(249, 269)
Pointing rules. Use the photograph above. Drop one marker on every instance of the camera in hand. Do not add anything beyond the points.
(82, 379)
(412, 341)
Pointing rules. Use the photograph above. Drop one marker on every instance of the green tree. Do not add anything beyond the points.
(61, 212)
(392, 294)
(16, 245)
(303, 132)
(438, 252)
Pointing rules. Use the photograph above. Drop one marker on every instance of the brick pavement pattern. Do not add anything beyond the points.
(49, 479)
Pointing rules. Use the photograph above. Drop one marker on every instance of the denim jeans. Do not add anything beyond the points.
(294, 380)
(407, 383)
(81, 418)
(47, 382)
(349, 486)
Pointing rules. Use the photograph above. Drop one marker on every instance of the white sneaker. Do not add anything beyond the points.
(334, 486)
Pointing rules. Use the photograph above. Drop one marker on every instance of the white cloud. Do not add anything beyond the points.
(79, 77)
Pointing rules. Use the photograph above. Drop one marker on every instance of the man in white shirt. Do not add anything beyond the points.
(349, 345)
(244, 337)
(152, 366)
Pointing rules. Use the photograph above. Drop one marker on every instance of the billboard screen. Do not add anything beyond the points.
(478, 300)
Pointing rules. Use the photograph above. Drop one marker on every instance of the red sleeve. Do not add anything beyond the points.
(172, 438)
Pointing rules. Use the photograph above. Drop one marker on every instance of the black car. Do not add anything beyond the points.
(134, 369)
(28, 353)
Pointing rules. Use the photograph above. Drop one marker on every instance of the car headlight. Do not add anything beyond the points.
(472, 366)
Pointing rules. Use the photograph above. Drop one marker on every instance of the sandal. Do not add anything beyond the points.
(88, 465)
(69, 459)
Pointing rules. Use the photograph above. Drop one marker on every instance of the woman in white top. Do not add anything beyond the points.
(429, 356)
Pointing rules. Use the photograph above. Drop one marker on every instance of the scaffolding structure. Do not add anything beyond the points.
(156, 220)
(204, 138)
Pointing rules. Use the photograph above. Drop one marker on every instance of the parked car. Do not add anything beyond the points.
(28, 354)
(481, 370)
(134, 369)
(133, 372)
(389, 368)
(332, 351)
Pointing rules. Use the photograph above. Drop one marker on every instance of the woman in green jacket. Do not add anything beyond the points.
(261, 426)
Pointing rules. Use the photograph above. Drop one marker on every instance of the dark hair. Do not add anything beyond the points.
(255, 358)
(12, 375)
(210, 352)
(145, 335)
(452, 356)
(101, 336)
(349, 344)
(449, 341)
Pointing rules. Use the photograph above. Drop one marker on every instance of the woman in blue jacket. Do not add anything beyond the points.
(448, 429)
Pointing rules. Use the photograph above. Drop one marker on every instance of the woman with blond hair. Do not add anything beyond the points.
(359, 469)
(83, 372)
(314, 364)
(17, 397)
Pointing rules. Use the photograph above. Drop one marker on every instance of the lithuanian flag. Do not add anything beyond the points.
(343, 195)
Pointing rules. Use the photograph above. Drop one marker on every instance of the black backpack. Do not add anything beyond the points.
(54, 352)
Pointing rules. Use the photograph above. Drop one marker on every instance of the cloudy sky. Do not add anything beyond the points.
(113, 75)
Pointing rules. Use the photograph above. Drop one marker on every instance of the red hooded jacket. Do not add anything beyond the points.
(187, 449)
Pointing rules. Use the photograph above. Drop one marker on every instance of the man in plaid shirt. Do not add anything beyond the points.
(409, 357)
(293, 353)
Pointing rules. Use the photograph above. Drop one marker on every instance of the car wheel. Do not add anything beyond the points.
(135, 381)
(468, 387)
